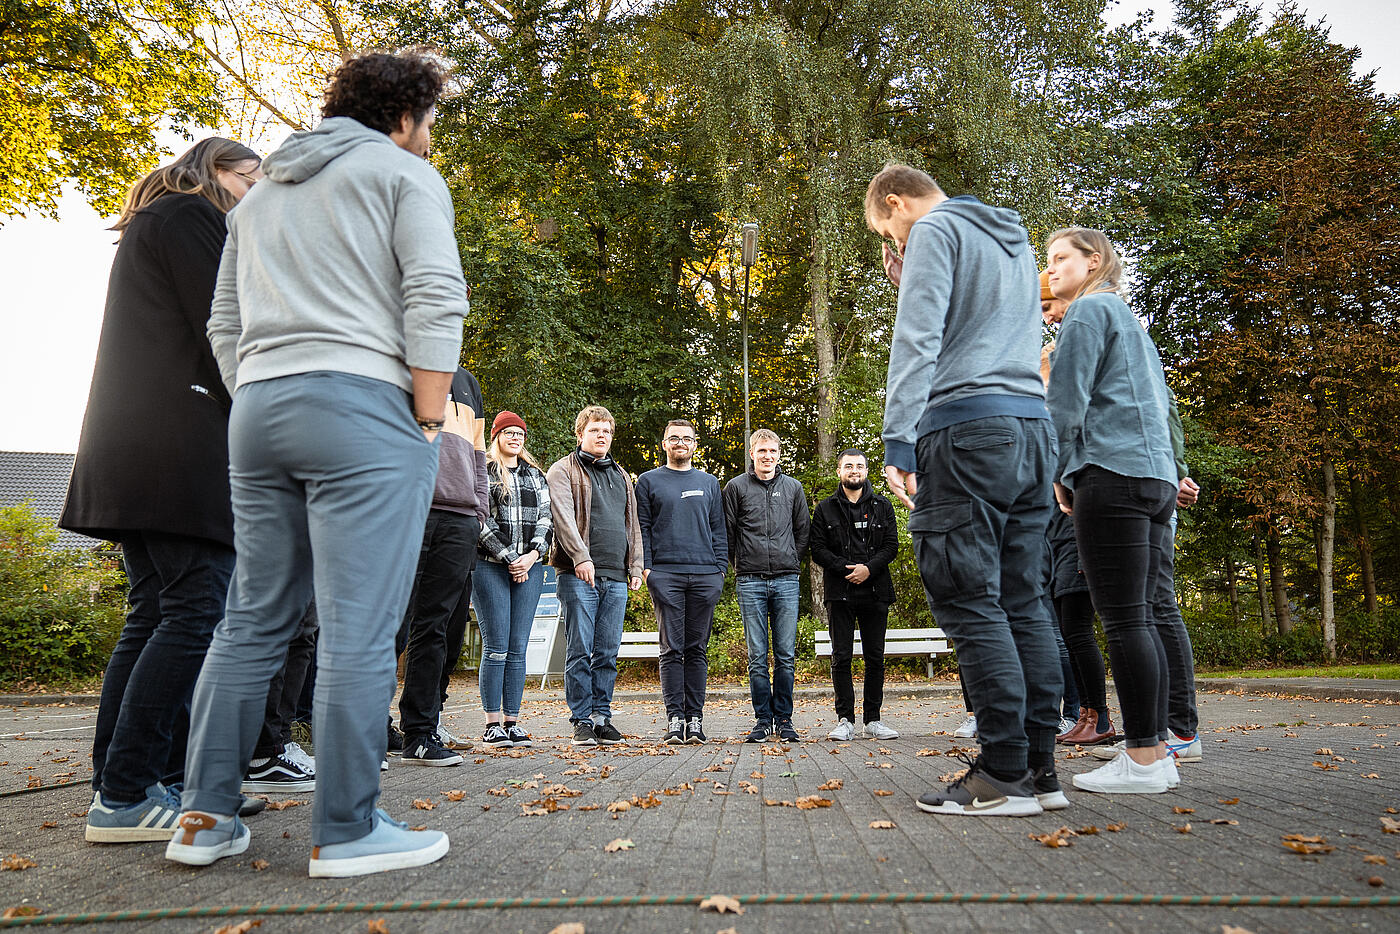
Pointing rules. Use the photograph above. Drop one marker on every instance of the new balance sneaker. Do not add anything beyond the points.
(694, 732)
(496, 735)
(607, 734)
(202, 838)
(980, 794)
(844, 732)
(787, 732)
(584, 734)
(968, 728)
(760, 732)
(152, 818)
(277, 774)
(1109, 752)
(294, 753)
(1123, 776)
(877, 730)
(1047, 788)
(675, 732)
(1184, 748)
(518, 736)
(426, 750)
(390, 845)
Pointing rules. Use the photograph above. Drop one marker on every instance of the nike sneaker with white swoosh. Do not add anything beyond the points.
(980, 794)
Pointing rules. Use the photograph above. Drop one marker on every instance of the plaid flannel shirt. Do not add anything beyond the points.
(520, 522)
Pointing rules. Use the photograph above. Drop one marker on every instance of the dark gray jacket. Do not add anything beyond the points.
(767, 524)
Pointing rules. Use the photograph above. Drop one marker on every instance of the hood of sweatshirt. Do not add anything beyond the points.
(305, 154)
(1001, 224)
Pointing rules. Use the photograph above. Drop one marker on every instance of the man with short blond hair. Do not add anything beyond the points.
(598, 552)
(765, 513)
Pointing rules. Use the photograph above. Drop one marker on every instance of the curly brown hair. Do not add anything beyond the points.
(378, 89)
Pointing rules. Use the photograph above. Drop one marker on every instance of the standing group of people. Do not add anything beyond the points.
(282, 440)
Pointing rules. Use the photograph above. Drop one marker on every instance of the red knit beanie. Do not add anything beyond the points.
(507, 420)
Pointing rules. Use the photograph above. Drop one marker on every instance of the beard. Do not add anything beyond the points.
(851, 485)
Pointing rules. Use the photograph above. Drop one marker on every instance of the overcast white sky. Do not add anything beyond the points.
(54, 273)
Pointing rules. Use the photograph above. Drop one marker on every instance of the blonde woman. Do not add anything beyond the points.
(508, 580)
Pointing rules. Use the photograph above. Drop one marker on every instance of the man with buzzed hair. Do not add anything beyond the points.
(765, 513)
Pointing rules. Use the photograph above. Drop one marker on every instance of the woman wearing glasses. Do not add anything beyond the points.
(152, 474)
(508, 580)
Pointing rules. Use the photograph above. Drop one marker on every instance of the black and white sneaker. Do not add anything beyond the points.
(675, 735)
(426, 750)
(395, 738)
(1047, 789)
(277, 774)
(787, 732)
(583, 734)
(518, 736)
(760, 732)
(496, 735)
(607, 733)
(694, 733)
(980, 794)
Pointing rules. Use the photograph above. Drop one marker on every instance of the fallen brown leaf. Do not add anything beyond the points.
(808, 802)
(16, 863)
(1182, 828)
(527, 811)
(882, 825)
(1306, 846)
(378, 926)
(456, 794)
(423, 804)
(1375, 858)
(418, 827)
(259, 865)
(1231, 929)
(1390, 825)
(618, 844)
(1114, 828)
(722, 904)
(1224, 820)
(1181, 810)
(1087, 831)
(20, 911)
(1053, 840)
(283, 805)
(588, 807)
(1324, 751)
(48, 825)
(832, 785)
(1227, 800)
(774, 803)
(1376, 881)
(242, 927)
(928, 752)
(568, 927)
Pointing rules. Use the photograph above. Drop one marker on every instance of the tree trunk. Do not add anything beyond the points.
(1232, 587)
(1365, 553)
(1266, 621)
(1278, 583)
(826, 384)
(1326, 550)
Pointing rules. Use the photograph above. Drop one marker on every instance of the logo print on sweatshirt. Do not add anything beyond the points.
(692, 493)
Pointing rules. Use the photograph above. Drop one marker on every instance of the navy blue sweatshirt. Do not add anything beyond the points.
(682, 519)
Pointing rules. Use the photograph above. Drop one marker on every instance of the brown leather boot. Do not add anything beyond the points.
(1087, 732)
(1083, 712)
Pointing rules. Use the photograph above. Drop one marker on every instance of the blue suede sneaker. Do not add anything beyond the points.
(390, 845)
(151, 819)
(202, 838)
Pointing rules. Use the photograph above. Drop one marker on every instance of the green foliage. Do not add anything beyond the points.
(60, 611)
(85, 85)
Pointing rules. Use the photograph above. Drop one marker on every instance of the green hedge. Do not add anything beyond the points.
(60, 611)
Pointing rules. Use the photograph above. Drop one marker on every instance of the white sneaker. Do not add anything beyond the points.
(1108, 753)
(845, 731)
(1182, 749)
(1066, 724)
(1123, 776)
(1173, 776)
(968, 728)
(877, 730)
(297, 754)
(444, 737)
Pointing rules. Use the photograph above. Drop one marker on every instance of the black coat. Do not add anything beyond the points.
(767, 524)
(153, 455)
(1066, 577)
(832, 548)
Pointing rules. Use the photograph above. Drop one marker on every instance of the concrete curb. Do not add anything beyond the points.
(1305, 687)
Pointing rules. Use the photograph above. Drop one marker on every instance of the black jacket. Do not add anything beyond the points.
(1066, 577)
(767, 524)
(833, 548)
(153, 454)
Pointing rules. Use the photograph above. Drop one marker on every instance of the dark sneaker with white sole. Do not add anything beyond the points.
(675, 734)
(278, 775)
(694, 732)
(760, 732)
(981, 794)
(518, 736)
(426, 750)
(1047, 789)
(153, 818)
(584, 734)
(496, 735)
(787, 732)
(607, 734)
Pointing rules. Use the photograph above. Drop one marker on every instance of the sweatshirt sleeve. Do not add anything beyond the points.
(434, 292)
(225, 321)
(925, 290)
(717, 529)
(644, 517)
(1072, 369)
(801, 519)
(731, 519)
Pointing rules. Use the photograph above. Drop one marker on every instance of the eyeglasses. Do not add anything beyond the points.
(512, 433)
(677, 439)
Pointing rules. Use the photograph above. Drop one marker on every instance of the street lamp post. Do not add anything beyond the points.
(748, 257)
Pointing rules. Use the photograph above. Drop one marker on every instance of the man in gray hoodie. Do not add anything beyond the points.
(968, 437)
(337, 325)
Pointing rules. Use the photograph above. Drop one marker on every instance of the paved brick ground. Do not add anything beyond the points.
(705, 840)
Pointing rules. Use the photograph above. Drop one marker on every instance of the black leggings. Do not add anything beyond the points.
(1075, 612)
(1120, 525)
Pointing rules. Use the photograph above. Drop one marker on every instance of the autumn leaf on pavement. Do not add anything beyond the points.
(1053, 840)
(1181, 810)
(882, 825)
(1374, 858)
(882, 792)
(722, 904)
(1183, 828)
(242, 927)
(1231, 929)
(16, 863)
(423, 804)
(259, 865)
(283, 805)
(456, 794)
(832, 785)
(618, 844)
(1306, 846)
(1224, 820)
(1390, 825)
(568, 927)
(378, 926)
(527, 811)
(928, 752)
(1227, 800)
(1114, 828)
(20, 911)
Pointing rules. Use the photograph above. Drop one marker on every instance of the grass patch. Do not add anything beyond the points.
(1380, 671)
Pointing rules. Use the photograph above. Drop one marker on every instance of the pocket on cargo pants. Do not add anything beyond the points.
(955, 553)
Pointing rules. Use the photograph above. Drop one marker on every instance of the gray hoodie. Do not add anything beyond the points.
(966, 339)
(342, 258)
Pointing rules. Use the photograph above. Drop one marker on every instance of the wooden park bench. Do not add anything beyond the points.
(930, 642)
(640, 645)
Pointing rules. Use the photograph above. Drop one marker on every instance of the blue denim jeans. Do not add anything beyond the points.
(593, 618)
(770, 604)
(505, 611)
(177, 590)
